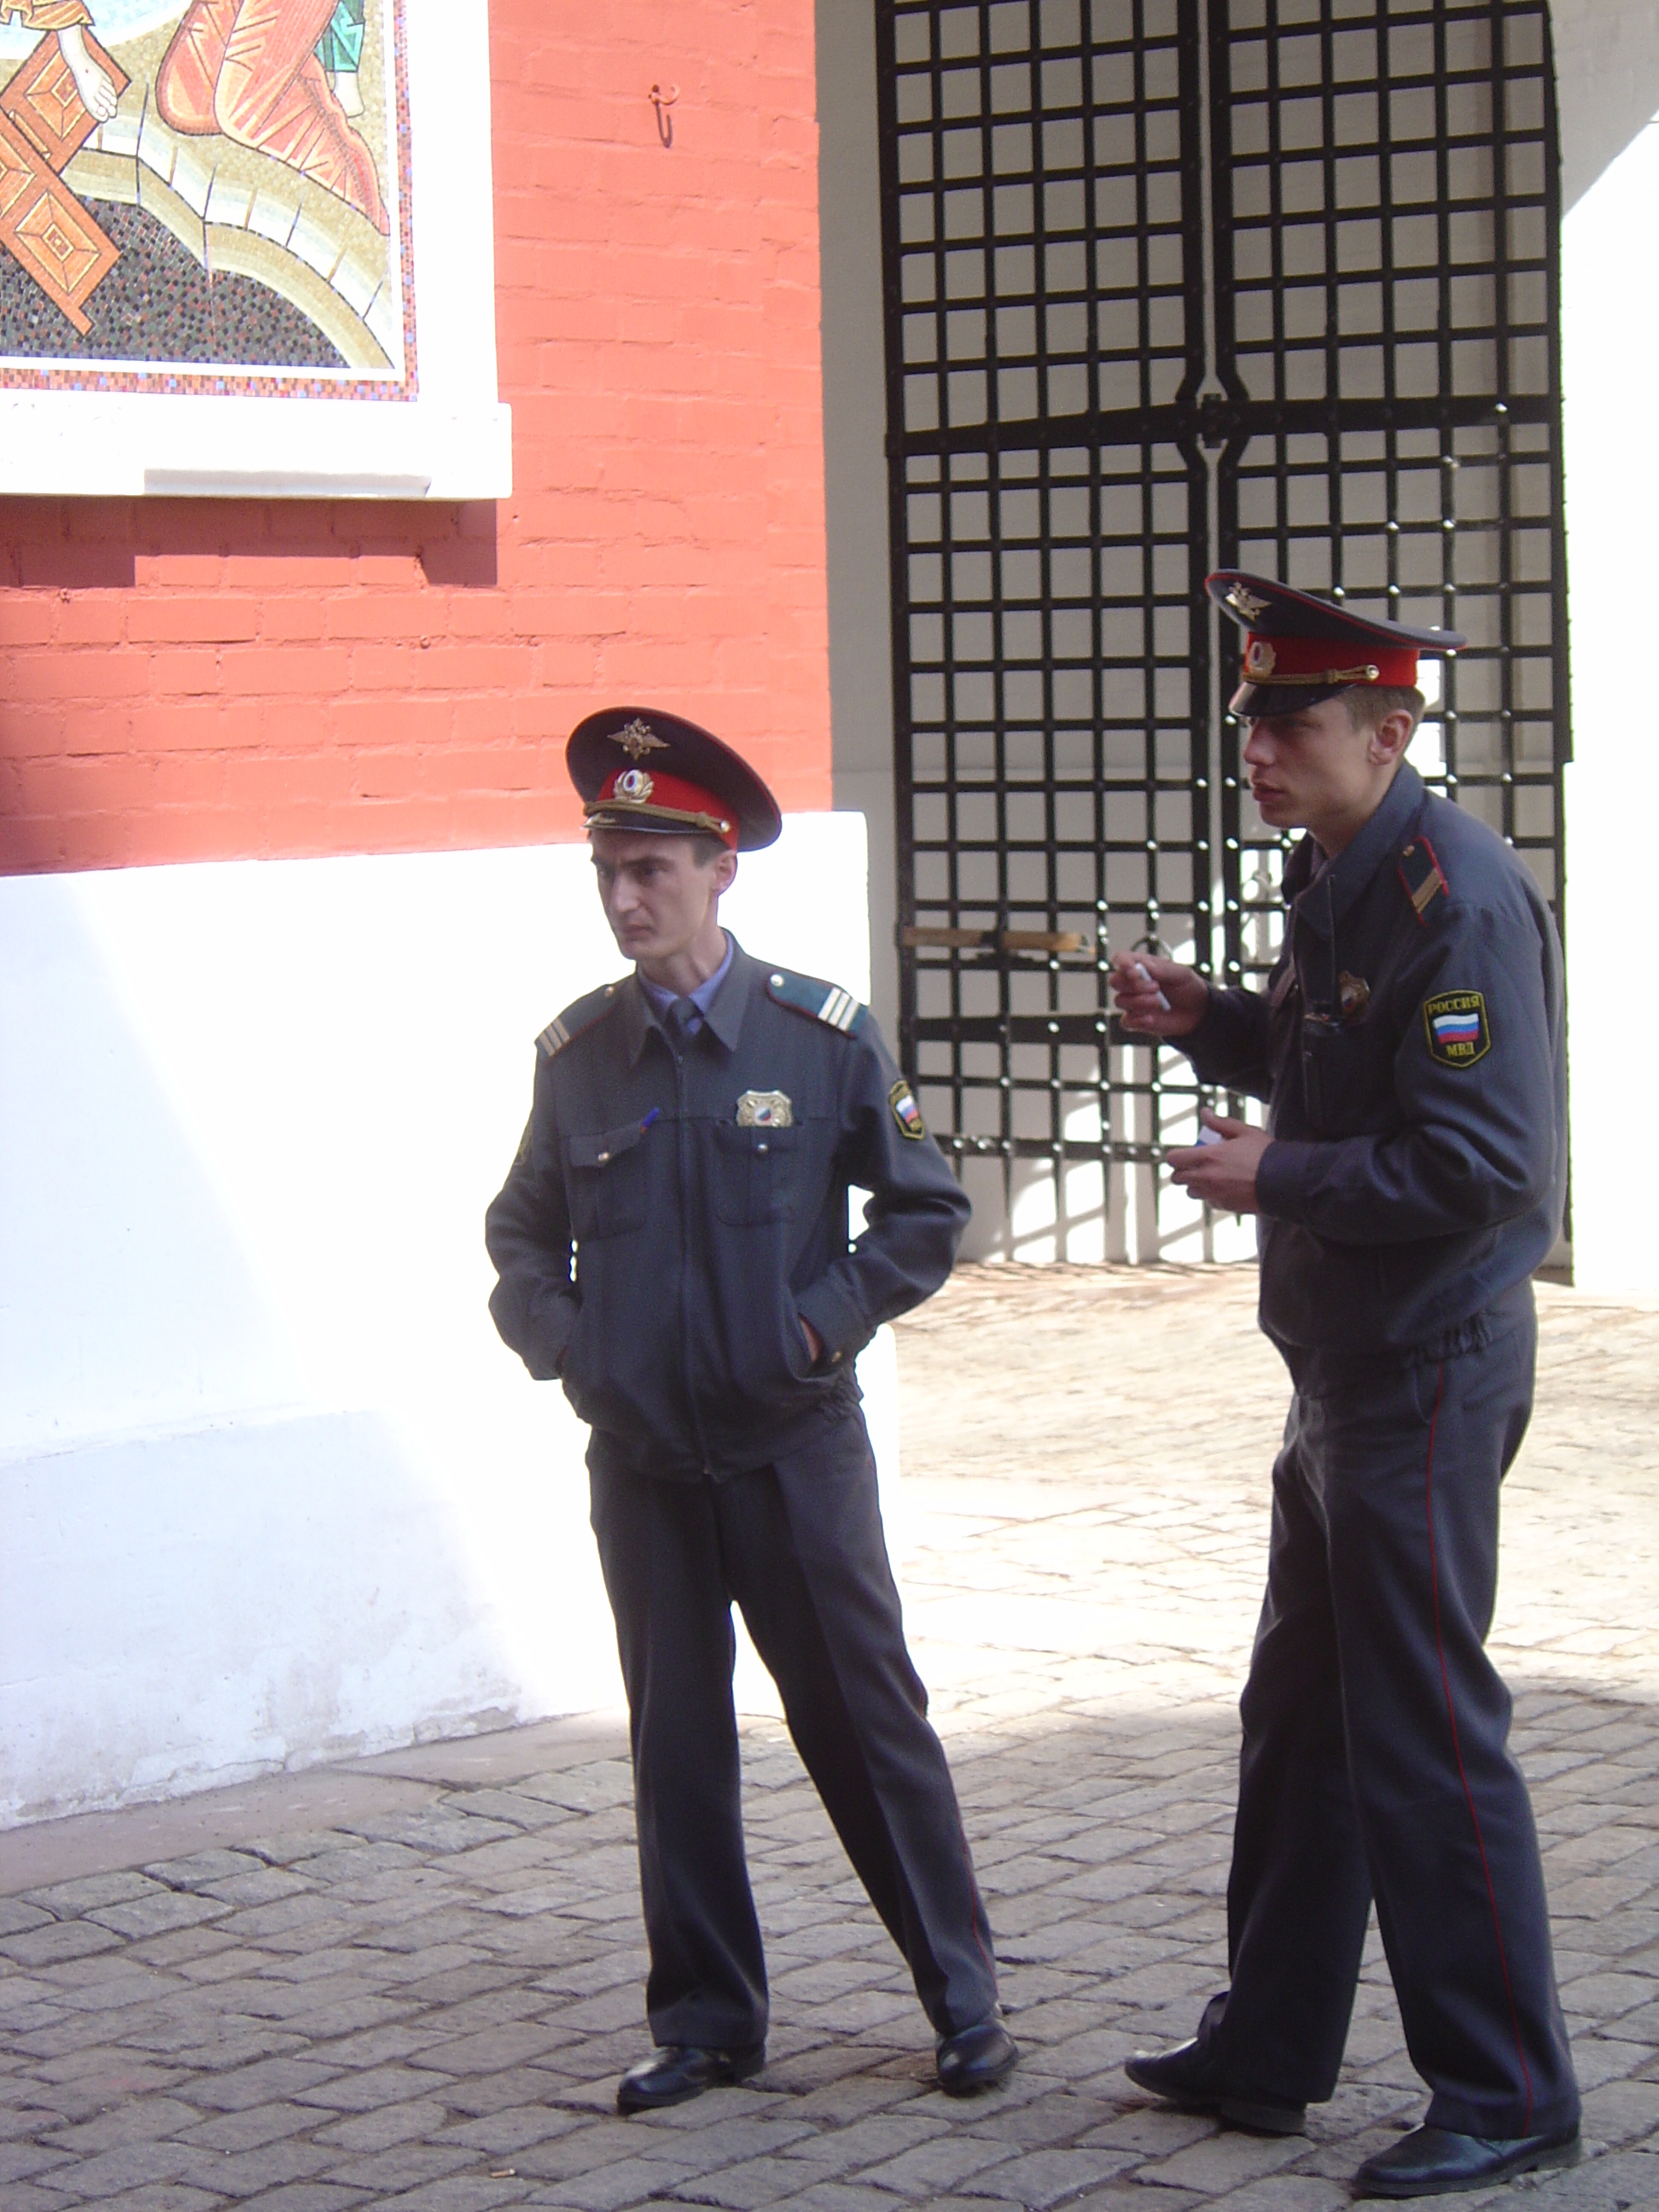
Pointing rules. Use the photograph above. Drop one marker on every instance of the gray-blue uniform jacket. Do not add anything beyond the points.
(660, 1241)
(1411, 1045)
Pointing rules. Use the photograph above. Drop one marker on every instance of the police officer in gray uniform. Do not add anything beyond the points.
(1410, 1047)
(672, 1246)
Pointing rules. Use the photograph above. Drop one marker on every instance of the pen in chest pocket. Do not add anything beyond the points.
(655, 1114)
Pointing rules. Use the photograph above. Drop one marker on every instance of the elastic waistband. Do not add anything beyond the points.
(1317, 1372)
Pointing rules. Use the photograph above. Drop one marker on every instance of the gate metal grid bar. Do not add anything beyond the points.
(1380, 418)
(1386, 214)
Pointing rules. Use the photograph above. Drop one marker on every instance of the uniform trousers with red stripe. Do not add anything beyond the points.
(799, 1546)
(1375, 1762)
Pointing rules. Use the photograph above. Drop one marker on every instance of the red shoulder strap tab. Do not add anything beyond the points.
(1420, 872)
(564, 1027)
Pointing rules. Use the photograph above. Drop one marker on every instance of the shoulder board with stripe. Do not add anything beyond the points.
(824, 1002)
(564, 1027)
(1420, 872)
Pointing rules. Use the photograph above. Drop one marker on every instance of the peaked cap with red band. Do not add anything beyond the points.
(640, 769)
(1300, 649)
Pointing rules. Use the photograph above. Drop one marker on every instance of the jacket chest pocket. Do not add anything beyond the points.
(754, 1173)
(1346, 1077)
(607, 1176)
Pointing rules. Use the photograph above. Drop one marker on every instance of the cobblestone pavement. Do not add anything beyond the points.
(413, 1981)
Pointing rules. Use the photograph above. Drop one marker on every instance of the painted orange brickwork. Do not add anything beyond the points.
(206, 680)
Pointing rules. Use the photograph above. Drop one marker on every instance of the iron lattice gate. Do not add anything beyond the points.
(1173, 285)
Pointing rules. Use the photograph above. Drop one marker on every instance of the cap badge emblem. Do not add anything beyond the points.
(638, 739)
(1259, 659)
(633, 785)
(765, 1109)
(1246, 603)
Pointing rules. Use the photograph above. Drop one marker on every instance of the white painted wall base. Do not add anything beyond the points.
(271, 1490)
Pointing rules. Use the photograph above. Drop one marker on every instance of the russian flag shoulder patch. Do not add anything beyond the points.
(906, 1112)
(1455, 1024)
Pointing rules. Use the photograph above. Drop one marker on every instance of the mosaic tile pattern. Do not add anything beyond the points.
(151, 323)
(158, 302)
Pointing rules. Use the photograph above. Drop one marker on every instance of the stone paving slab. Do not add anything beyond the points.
(413, 1981)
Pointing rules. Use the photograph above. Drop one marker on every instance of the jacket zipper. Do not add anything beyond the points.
(701, 1441)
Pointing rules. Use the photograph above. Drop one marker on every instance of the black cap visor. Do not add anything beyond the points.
(1264, 703)
(656, 822)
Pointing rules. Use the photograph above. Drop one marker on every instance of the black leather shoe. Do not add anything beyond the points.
(1185, 2077)
(678, 2072)
(975, 2057)
(1434, 2162)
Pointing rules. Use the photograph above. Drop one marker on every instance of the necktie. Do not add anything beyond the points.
(681, 1019)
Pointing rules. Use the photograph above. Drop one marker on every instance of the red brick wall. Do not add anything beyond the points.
(187, 680)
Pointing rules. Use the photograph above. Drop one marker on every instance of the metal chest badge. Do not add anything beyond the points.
(765, 1109)
(906, 1112)
(1353, 995)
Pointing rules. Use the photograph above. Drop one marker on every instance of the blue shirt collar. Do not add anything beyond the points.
(702, 998)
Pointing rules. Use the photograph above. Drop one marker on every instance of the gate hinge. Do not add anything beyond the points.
(1215, 416)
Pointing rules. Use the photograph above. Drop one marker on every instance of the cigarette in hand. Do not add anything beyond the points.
(1141, 975)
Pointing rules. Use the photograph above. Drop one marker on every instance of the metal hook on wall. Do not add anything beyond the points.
(662, 101)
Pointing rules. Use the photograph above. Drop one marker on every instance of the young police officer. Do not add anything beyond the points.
(1409, 1045)
(694, 1130)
